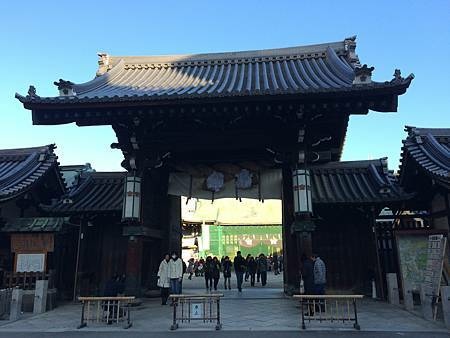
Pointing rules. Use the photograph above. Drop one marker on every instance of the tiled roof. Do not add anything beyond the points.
(95, 192)
(429, 149)
(21, 169)
(358, 182)
(36, 224)
(297, 70)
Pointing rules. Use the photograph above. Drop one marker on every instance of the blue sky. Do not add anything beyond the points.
(42, 41)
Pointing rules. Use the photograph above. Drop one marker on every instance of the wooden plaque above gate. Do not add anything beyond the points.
(36, 242)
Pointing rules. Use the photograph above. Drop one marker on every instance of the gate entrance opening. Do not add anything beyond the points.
(221, 229)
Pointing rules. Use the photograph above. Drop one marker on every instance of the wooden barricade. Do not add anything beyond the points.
(109, 310)
(5, 303)
(334, 308)
(205, 307)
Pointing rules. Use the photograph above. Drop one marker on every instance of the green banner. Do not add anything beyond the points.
(254, 240)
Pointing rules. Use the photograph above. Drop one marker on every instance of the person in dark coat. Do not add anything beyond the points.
(226, 267)
(246, 272)
(111, 287)
(275, 264)
(262, 267)
(258, 273)
(111, 290)
(207, 268)
(239, 269)
(251, 268)
(215, 271)
(308, 274)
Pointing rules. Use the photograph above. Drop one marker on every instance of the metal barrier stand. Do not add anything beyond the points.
(105, 309)
(329, 308)
(205, 302)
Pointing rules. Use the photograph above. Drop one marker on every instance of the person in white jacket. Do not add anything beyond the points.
(175, 273)
(163, 279)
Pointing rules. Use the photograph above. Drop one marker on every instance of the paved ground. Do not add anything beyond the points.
(228, 334)
(265, 310)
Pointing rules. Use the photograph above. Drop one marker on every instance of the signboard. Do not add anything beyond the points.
(412, 255)
(35, 242)
(435, 261)
(196, 310)
(30, 263)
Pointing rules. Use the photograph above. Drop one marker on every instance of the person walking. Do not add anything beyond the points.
(262, 267)
(258, 273)
(320, 272)
(163, 279)
(251, 268)
(226, 268)
(207, 268)
(320, 279)
(275, 264)
(308, 274)
(246, 262)
(190, 268)
(239, 269)
(280, 262)
(175, 273)
(215, 272)
(111, 290)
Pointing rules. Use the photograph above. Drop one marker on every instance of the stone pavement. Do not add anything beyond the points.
(255, 309)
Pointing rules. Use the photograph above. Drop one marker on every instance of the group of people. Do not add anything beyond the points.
(170, 276)
(172, 268)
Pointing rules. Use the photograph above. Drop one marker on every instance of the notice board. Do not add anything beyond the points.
(30, 263)
(412, 248)
(435, 261)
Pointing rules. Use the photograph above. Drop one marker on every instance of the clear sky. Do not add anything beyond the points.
(42, 41)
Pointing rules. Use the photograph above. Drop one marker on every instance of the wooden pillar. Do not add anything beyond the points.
(134, 266)
(291, 258)
(374, 252)
(174, 214)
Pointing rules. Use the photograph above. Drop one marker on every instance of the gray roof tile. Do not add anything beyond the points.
(355, 182)
(296, 70)
(36, 224)
(96, 192)
(20, 169)
(429, 149)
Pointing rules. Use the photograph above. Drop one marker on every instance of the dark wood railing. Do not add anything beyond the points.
(25, 280)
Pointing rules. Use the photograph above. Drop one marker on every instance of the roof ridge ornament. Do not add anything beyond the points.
(350, 48)
(65, 87)
(363, 75)
(104, 63)
(32, 92)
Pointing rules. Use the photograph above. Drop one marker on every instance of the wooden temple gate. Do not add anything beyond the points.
(225, 116)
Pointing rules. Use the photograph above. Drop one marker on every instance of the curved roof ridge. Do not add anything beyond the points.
(22, 168)
(428, 148)
(26, 151)
(380, 162)
(257, 53)
(436, 132)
